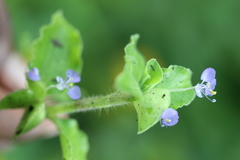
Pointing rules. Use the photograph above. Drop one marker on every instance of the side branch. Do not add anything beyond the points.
(98, 102)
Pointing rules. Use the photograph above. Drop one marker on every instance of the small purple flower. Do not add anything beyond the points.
(74, 92)
(169, 117)
(34, 74)
(206, 88)
(72, 77)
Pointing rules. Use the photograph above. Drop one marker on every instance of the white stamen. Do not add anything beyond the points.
(212, 100)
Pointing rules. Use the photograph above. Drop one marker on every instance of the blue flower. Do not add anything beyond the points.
(169, 117)
(34, 74)
(72, 77)
(206, 88)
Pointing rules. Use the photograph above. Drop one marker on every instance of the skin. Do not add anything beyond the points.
(12, 78)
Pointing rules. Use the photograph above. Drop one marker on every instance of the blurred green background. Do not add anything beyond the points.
(194, 34)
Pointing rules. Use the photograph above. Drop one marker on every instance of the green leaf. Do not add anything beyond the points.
(24, 97)
(151, 76)
(74, 141)
(128, 80)
(19, 99)
(34, 115)
(57, 50)
(137, 59)
(25, 46)
(149, 111)
(176, 78)
(38, 88)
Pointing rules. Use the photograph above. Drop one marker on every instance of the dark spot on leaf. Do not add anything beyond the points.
(173, 68)
(163, 95)
(153, 93)
(54, 80)
(30, 108)
(56, 43)
(92, 102)
(137, 120)
(152, 67)
(19, 131)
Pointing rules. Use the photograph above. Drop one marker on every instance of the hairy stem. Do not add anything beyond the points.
(98, 102)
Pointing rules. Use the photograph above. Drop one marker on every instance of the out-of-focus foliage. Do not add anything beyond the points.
(15, 99)
(74, 142)
(195, 34)
(32, 117)
(57, 50)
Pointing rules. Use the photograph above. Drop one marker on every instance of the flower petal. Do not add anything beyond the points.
(169, 117)
(213, 83)
(34, 74)
(74, 92)
(59, 79)
(198, 90)
(60, 86)
(208, 75)
(74, 76)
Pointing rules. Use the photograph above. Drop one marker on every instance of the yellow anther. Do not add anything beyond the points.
(208, 85)
(71, 84)
(213, 92)
(168, 120)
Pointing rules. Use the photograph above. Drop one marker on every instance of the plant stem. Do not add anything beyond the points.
(181, 89)
(98, 102)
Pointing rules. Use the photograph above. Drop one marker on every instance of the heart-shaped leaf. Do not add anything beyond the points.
(150, 110)
(176, 79)
(57, 50)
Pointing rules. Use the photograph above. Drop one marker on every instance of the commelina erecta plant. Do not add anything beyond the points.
(155, 92)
